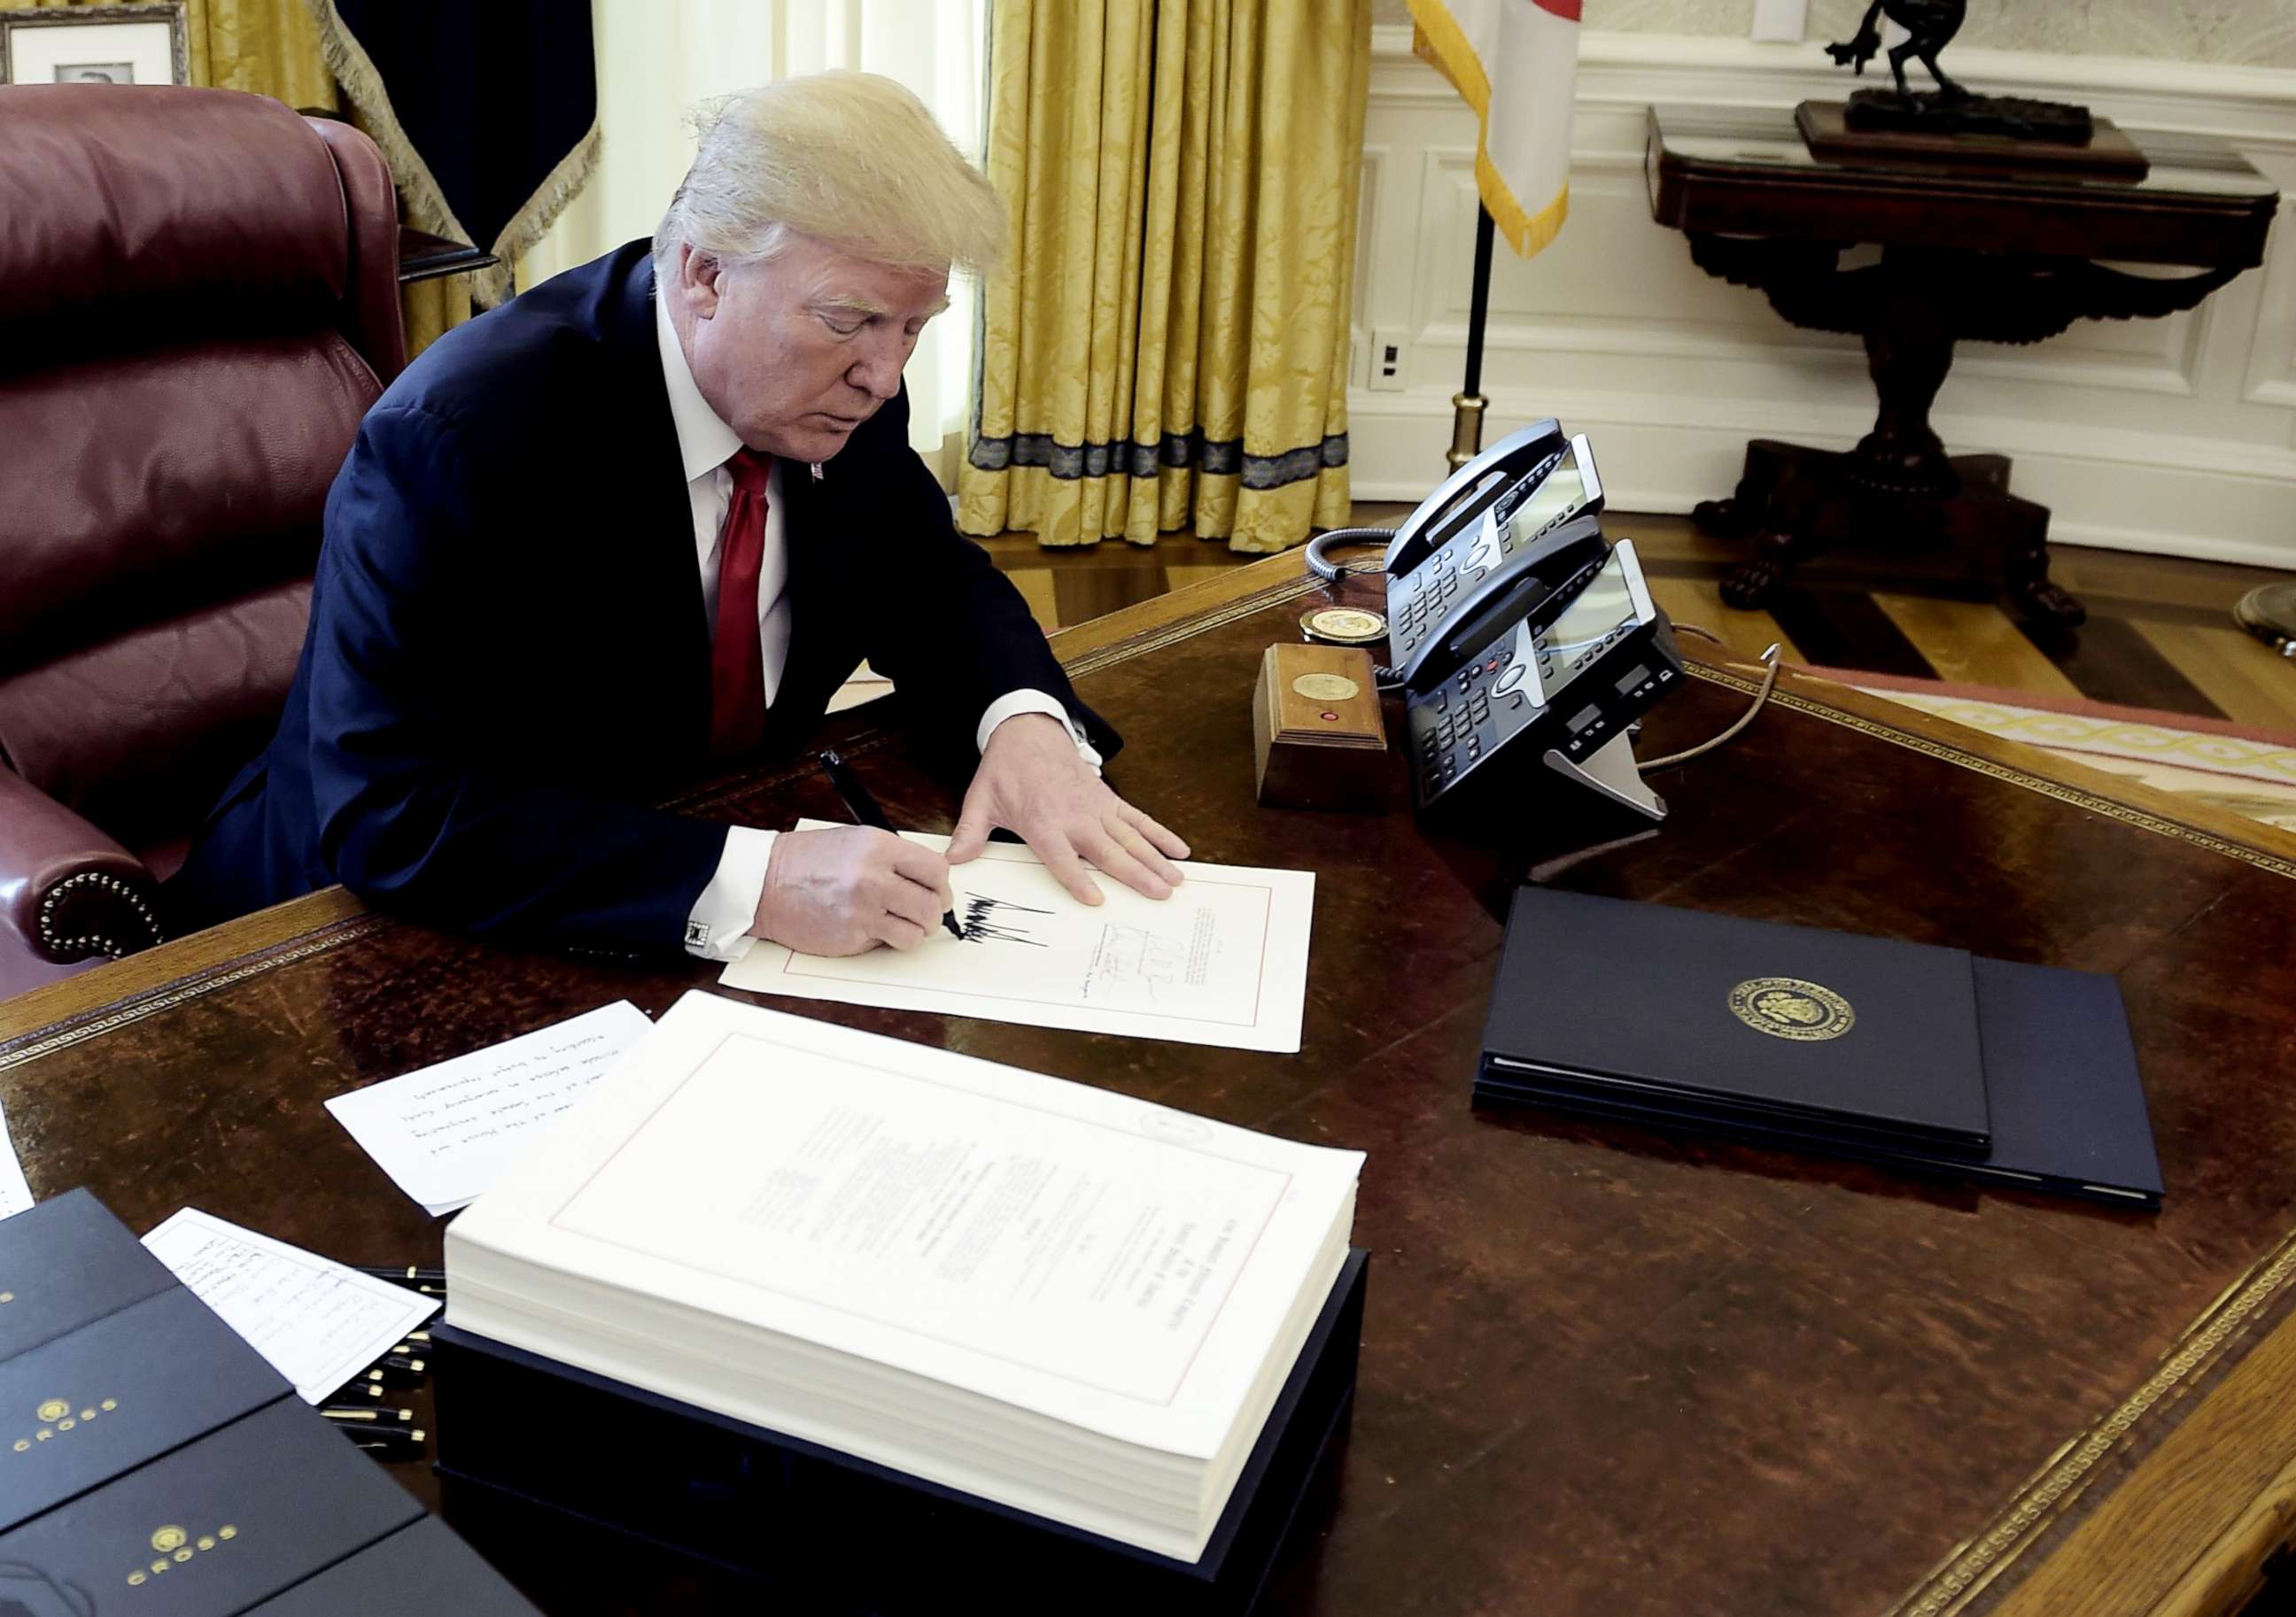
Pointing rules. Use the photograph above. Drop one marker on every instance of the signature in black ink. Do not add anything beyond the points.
(983, 921)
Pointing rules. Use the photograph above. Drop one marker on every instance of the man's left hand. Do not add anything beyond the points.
(1032, 781)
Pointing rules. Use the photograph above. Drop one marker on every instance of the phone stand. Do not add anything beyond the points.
(1611, 773)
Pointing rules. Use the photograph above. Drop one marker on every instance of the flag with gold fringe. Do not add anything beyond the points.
(487, 114)
(1516, 64)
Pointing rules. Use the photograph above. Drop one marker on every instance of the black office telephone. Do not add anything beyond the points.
(1517, 630)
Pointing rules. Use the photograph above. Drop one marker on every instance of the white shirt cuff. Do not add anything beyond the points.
(718, 927)
(1017, 702)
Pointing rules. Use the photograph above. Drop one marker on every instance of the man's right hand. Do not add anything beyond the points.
(850, 888)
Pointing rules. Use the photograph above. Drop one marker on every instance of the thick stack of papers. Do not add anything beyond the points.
(1071, 1302)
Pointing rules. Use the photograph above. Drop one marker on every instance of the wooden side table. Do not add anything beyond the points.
(1992, 253)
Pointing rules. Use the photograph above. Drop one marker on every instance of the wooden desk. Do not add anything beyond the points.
(1605, 1371)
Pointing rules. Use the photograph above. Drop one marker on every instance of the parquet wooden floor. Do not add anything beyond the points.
(2160, 632)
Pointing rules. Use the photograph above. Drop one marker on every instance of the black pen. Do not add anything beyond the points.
(407, 1274)
(352, 1414)
(864, 808)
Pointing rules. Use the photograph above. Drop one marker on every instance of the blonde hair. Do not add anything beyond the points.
(853, 159)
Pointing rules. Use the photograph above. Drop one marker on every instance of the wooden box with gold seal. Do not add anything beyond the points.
(1317, 737)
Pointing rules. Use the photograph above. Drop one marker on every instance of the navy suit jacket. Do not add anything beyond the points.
(508, 661)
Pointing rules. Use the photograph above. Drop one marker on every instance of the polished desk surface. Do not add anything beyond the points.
(1604, 1370)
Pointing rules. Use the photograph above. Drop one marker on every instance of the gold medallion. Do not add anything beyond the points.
(1344, 626)
(1326, 687)
(1788, 1008)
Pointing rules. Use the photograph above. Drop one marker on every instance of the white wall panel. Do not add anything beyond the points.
(2175, 434)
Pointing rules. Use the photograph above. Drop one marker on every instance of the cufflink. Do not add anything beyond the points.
(697, 934)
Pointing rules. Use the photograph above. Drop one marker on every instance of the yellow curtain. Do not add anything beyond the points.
(271, 47)
(1166, 343)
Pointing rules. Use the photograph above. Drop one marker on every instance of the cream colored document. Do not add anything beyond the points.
(1223, 961)
(1098, 1260)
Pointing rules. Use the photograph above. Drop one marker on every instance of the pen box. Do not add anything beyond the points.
(812, 1522)
(212, 1529)
(64, 1263)
(420, 1569)
(83, 1409)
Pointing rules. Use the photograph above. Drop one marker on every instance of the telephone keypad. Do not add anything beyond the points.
(1453, 725)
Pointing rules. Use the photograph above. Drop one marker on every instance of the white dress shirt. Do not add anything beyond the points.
(718, 926)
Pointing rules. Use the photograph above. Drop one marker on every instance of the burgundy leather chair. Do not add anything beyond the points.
(198, 301)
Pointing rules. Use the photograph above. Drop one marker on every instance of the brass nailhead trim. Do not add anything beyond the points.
(90, 943)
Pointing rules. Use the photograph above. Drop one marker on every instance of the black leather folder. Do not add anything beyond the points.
(420, 1571)
(218, 1525)
(1749, 1024)
(2063, 1096)
(65, 1263)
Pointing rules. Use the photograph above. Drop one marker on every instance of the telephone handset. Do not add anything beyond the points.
(1541, 575)
(1470, 491)
(1541, 519)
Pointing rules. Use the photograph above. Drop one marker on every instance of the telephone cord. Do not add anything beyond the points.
(1761, 699)
(1319, 549)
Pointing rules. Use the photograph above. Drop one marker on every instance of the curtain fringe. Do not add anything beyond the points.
(540, 211)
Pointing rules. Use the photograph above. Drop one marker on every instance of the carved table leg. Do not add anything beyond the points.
(1743, 513)
(1775, 506)
(2025, 567)
(1751, 584)
(1908, 350)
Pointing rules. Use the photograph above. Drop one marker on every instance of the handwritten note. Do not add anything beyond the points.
(444, 1134)
(318, 1323)
(15, 1194)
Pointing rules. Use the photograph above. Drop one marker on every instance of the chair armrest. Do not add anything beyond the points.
(66, 889)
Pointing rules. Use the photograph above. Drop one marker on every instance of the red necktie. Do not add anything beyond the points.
(737, 674)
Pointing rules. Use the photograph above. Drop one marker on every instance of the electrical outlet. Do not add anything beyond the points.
(1780, 20)
(1388, 346)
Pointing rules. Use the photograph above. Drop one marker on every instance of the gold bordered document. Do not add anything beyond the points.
(1223, 961)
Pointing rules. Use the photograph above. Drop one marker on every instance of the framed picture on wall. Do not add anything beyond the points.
(112, 45)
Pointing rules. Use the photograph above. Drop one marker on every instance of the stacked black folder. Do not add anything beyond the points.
(1927, 1057)
(742, 1498)
(151, 1461)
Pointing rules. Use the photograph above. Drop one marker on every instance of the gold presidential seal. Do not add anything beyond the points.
(1326, 687)
(1788, 1008)
(1344, 625)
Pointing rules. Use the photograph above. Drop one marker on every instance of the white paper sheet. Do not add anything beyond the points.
(15, 1194)
(445, 1134)
(318, 1323)
(1223, 961)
